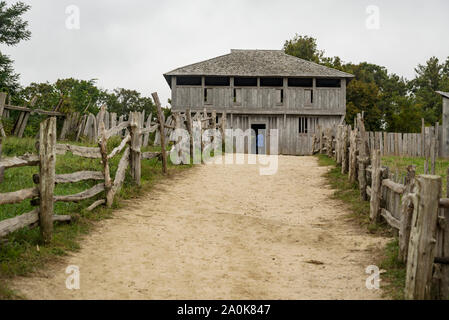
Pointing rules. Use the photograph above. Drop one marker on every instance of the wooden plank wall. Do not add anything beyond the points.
(403, 144)
(256, 98)
(291, 142)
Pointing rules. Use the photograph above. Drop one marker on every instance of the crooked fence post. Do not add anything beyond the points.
(421, 253)
(160, 117)
(47, 163)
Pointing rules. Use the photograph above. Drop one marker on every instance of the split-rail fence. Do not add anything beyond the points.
(414, 206)
(134, 136)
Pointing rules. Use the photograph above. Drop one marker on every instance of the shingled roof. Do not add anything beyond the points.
(257, 63)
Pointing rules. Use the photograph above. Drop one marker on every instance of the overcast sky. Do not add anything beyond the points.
(131, 43)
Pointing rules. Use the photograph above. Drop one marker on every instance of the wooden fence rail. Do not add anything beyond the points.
(134, 136)
(413, 207)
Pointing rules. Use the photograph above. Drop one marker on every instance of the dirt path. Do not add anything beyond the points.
(219, 232)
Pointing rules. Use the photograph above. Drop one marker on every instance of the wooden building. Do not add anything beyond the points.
(264, 89)
(444, 135)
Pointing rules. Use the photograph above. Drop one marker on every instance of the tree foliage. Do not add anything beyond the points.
(389, 101)
(13, 29)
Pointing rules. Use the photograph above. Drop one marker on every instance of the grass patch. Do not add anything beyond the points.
(394, 277)
(400, 164)
(23, 251)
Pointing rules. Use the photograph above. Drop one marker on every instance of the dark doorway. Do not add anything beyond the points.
(259, 141)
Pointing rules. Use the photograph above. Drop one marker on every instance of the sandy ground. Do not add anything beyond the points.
(222, 232)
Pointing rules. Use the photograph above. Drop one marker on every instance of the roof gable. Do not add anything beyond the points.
(252, 63)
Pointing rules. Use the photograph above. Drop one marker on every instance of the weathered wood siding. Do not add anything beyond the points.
(325, 100)
(291, 142)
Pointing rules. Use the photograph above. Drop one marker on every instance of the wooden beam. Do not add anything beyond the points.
(22, 161)
(121, 170)
(38, 111)
(150, 155)
(395, 187)
(87, 194)
(392, 221)
(86, 152)
(119, 149)
(96, 204)
(18, 196)
(27, 219)
(79, 176)
(113, 131)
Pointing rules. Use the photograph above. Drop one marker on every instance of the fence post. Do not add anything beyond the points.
(47, 163)
(353, 156)
(406, 214)
(440, 288)
(2, 108)
(363, 158)
(223, 130)
(345, 150)
(134, 129)
(423, 138)
(190, 130)
(104, 159)
(2, 169)
(421, 253)
(160, 117)
(376, 186)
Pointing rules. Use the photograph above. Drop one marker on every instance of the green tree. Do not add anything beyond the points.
(13, 29)
(122, 101)
(429, 78)
(304, 47)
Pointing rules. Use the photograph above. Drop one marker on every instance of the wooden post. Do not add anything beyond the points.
(223, 129)
(2, 169)
(345, 150)
(2, 108)
(433, 154)
(353, 156)
(106, 171)
(376, 186)
(136, 154)
(443, 250)
(177, 117)
(423, 138)
(189, 124)
(47, 163)
(160, 117)
(406, 214)
(421, 253)
(363, 158)
(146, 135)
